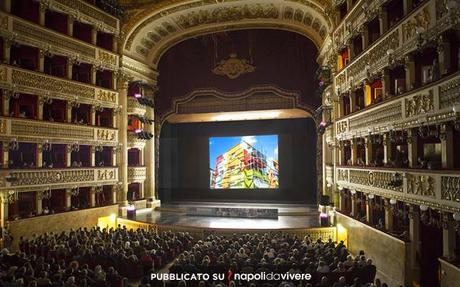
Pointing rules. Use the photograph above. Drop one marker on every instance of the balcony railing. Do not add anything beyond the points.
(25, 81)
(59, 178)
(134, 107)
(32, 34)
(137, 173)
(33, 130)
(428, 105)
(432, 188)
(134, 142)
(402, 39)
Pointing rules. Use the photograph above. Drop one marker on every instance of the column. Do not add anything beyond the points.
(369, 210)
(115, 43)
(41, 61)
(6, 103)
(39, 202)
(448, 236)
(5, 150)
(69, 112)
(386, 149)
(94, 36)
(386, 84)
(444, 56)
(68, 198)
(388, 216)
(114, 194)
(141, 157)
(352, 97)
(41, 102)
(68, 155)
(447, 146)
(42, 14)
(70, 63)
(354, 152)
(93, 75)
(39, 155)
(92, 196)
(93, 155)
(340, 153)
(7, 8)
(354, 205)
(383, 20)
(407, 6)
(365, 38)
(341, 205)
(141, 190)
(409, 66)
(114, 156)
(149, 158)
(368, 150)
(93, 115)
(123, 139)
(3, 209)
(414, 237)
(70, 21)
(7, 50)
(412, 146)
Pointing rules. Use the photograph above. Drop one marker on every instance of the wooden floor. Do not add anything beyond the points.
(291, 216)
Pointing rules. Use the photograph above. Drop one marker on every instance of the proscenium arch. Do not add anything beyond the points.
(151, 32)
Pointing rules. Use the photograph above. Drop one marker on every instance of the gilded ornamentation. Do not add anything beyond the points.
(137, 174)
(34, 80)
(450, 188)
(420, 185)
(233, 67)
(449, 93)
(106, 174)
(342, 175)
(2, 126)
(105, 135)
(420, 19)
(106, 96)
(4, 22)
(342, 127)
(107, 58)
(419, 104)
(50, 130)
(134, 107)
(91, 11)
(3, 74)
(225, 14)
(42, 177)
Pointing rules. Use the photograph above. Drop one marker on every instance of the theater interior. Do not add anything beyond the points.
(215, 143)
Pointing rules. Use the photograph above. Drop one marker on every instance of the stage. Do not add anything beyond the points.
(290, 216)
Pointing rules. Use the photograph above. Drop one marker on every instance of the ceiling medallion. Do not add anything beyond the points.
(233, 67)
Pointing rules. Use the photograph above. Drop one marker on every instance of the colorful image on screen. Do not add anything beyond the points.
(244, 162)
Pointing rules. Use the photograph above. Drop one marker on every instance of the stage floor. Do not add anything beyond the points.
(170, 214)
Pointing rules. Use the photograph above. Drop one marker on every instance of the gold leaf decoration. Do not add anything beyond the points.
(233, 67)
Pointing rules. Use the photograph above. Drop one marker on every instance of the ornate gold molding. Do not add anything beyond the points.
(233, 67)
(419, 104)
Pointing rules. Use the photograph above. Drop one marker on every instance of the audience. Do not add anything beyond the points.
(120, 257)
(89, 257)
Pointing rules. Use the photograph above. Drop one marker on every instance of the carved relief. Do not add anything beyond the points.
(420, 19)
(107, 58)
(61, 131)
(342, 127)
(224, 14)
(233, 67)
(4, 22)
(105, 135)
(2, 126)
(450, 188)
(28, 79)
(106, 174)
(419, 104)
(342, 175)
(51, 177)
(137, 174)
(449, 93)
(420, 185)
(3, 74)
(106, 96)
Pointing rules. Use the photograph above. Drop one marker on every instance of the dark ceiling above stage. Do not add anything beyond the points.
(283, 59)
